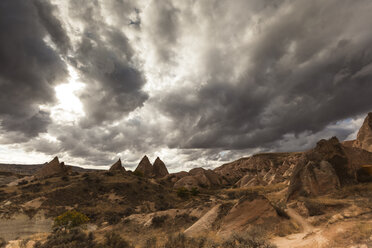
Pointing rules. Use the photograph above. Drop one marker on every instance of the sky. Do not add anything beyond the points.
(197, 83)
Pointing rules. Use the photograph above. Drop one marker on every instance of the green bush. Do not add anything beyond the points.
(70, 219)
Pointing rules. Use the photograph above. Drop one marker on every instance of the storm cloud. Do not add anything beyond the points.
(29, 68)
(197, 82)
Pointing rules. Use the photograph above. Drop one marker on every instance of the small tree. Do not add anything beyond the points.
(70, 219)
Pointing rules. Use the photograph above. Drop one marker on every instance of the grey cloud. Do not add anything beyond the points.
(162, 22)
(303, 73)
(104, 58)
(52, 24)
(29, 69)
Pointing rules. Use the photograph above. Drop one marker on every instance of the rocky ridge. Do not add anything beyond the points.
(53, 168)
(117, 167)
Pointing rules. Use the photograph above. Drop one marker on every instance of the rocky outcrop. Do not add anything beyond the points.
(249, 211)
(174, 177)
(364, 137)
(187, 182)
(205, 223)
(200, 178)
(145, 167)
(159, 169)
(259, 169)
(53, 168)
(323, 169)
(117, 167)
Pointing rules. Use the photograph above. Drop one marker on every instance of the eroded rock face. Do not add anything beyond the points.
(187, 182)
(53, 168)
(204, 224)
(117, 167)
(159, 169)
(259, 169)
(364, 137)
(200, 178)
(321, 170)
(145, 167)
(317, 179)
(249, 211)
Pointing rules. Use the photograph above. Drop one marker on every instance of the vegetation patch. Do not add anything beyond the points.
(70, 219)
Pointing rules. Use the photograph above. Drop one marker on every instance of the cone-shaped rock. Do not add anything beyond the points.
(145, 167)
(117, 167)
(159, 169)
(53, 168)
(364, 137)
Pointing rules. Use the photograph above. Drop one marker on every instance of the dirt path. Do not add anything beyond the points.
(309, 237)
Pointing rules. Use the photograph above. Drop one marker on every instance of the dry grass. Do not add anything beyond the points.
(360, 233)
(360, 189)
(327, 201)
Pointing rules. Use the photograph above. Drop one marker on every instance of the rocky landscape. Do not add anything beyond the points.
(316, 198)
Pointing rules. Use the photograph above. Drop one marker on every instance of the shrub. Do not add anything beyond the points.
(65, 178)
(2, 242)
(194, 191)
(113, 240)
(183, 192)
(128, 211)
(112, 217)
(314, 208)
(35, 188)
(158, 221)
(70, 219)
(138, 173)
(181, 241)
(151, 242)
(74, 238)
(247, 240)
(23, 182)
(68, 239)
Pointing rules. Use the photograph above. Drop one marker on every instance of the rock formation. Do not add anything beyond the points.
(249, 211)
(259, 169)
(199, 178)
(187, 182)
(117, 167)
(326, 167)
(364, 137)
(145, 167)
(53, 168)
(159, 169)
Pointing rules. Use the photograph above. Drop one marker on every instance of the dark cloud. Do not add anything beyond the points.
(52, 24)
(29, 68)
(303, 72)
